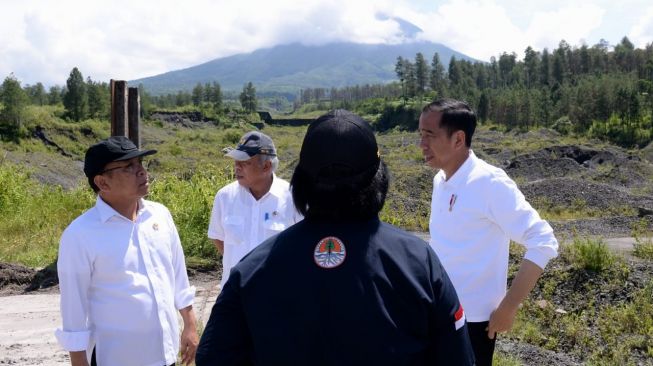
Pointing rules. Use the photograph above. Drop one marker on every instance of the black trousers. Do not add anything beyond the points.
(482, 345)
(94, 363)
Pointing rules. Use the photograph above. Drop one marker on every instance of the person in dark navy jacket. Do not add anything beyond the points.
(340, 287)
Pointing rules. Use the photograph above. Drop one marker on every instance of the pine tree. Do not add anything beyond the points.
(454, 72)
(216, 97)
(437, 80)
(483, 107)
(36, 94)
(545, 68)
(531, 62)
(421, 73)
(248, 97)
(14, 101)
(54, 95)
(198, 94)
(98, 98)
(76, 99)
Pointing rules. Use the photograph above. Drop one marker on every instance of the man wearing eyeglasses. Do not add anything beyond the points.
(121, 270)
(255, 207)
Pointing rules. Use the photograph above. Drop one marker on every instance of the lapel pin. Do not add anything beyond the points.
(452, 201)
(155, 226)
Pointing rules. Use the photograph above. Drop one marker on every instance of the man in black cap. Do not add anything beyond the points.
(121, 270)
(340, 287)
(255, 207)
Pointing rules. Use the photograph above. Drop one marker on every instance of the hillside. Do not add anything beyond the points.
(591, 306)
(288, 68)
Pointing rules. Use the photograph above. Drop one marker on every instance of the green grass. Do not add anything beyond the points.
(643, 247)
(190, 200)
(32, 216)
(503, 359)
(578, 209)
(585, 325)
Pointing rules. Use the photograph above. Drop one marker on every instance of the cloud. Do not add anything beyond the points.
(126, 39)
(572, 23)
(641, 33)
(486, 28)
(475, 28)
(132, 39)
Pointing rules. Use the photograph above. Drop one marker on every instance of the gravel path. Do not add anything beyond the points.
(27, 324)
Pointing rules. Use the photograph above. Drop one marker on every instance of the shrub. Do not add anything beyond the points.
(590, 254)
(643, 247)
(399, 116)
(231, 137)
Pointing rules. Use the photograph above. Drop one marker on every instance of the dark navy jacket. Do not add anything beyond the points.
(389, 302)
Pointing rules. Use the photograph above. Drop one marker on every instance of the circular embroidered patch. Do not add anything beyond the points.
(329, 252)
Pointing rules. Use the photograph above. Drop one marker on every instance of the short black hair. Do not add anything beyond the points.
(345, 200)
(456, 116)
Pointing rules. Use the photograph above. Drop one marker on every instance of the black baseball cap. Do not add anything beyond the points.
(252, 143)
(115, 148)
(338, 147)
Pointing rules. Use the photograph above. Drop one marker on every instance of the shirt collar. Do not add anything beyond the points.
(106, 212)
(460, 176)
(276, 189)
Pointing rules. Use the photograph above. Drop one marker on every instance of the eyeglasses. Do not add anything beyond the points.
(131, 168)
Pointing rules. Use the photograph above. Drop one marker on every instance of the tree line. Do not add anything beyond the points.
(205, 95)
(599, 91)
(349, 96)
(81, 99)
(86, 98)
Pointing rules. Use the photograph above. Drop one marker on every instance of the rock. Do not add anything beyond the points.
(542, 304)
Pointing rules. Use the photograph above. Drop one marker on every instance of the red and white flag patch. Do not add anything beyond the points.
(459, 317)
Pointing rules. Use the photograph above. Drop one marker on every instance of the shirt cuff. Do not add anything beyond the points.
(185, 298)
(73, 341)
(541, 255)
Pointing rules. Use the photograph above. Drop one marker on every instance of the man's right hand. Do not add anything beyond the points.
(219, 245)
(78, 358)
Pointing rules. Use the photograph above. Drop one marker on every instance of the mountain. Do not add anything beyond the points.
(290, 67)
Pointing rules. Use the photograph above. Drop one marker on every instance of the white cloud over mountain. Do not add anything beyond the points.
(44, 40)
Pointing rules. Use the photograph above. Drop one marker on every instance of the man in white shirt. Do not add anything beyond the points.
(476, 210)
(121, 270)
(255, 207)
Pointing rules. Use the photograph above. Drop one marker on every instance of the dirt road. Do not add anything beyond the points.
(27, 324)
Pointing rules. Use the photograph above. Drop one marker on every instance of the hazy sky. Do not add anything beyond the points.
(42, 40)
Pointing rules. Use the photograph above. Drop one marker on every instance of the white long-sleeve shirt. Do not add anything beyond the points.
(121, 284)
(242, 222)
(474, 215)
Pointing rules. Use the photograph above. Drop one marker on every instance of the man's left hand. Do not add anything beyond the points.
(189, 342)
(501, 320)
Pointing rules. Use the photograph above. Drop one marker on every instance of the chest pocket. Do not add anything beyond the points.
(234, 229)
(275, 225)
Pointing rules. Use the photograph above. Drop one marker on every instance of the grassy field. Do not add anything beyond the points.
(590, 304)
